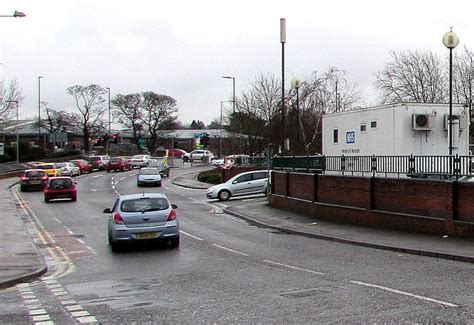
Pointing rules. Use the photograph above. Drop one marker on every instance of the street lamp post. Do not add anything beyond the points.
(16, 14)
(16, 131)
(283, 110)
(296, 83)
(233, 92)
(108, 135)
(450, 40)
(39, 109)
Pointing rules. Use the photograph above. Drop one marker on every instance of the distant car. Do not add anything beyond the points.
(176, 153)
(149, 176)
(202, 155)
(142, 218)
(99, 162)
(118, 163)
(50, 168)
(252, 182)
(83, 165)
(161, 165)
(33, 179)
(62, 187)
(69, 169)
(139, 161)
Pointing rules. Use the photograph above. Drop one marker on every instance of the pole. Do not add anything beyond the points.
(39, 109)
(337, 108)
(298, 143)
(283, 111)
(450, 103)
(108, 135)
(17, 136)
(233, 95)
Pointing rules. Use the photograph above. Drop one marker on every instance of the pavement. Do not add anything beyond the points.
(20, 260)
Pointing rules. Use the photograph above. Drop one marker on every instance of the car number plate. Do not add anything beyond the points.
(147, 235)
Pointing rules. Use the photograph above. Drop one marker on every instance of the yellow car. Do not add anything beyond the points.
(50, 168)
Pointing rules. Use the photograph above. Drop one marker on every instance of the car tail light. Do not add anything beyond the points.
(43, 178)
(171, 216)
(23, 178)
(118, 219)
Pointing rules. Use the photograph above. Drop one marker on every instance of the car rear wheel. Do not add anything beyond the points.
(74, 198)
(46, 200)
(223, 195)
(174, 242)
(23, 188)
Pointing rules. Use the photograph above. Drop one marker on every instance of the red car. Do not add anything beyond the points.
(83, 165)
(118, 163)
(33, 178)
(61, 187)
(177, 153)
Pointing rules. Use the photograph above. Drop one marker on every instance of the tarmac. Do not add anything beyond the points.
(20, 260)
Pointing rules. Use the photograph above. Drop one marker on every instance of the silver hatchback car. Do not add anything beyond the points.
(142, 218)
(253, 182)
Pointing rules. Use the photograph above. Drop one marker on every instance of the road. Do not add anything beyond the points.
(224, 271)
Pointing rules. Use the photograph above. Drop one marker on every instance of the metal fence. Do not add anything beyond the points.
(414, 166)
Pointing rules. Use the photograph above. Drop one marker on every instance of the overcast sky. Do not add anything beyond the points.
(183, 48)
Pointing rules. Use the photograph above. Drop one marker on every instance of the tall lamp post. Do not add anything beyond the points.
(39, 109)
(233, 92)
(108, 135)
(16, 130)
(450, 40)
(283, 110)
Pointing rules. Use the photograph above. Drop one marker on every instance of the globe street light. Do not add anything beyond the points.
(450, 40)
(233, 91)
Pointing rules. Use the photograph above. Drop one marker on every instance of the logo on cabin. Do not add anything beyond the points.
(350, 137)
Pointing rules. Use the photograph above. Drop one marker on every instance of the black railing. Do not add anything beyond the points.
(379, 165)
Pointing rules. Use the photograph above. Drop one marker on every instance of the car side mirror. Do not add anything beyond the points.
(107, 210)
(174, 206)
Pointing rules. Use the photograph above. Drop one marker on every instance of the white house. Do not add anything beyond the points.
(397, 129)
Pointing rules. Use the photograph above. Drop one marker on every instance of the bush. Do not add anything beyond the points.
(213, 176)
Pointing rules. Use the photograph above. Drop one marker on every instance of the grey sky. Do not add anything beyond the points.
(182, 48)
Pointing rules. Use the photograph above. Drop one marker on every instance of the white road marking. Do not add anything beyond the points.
(230, 250)
(93, 190)
(447, 304)
(293, 267)
(100, 175)
(188, 234)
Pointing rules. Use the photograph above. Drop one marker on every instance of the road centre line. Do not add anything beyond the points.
(447, 304)
(293, 267)
(230, 250)
(188, 234)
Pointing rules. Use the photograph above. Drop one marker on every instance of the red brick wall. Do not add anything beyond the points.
(435, 207)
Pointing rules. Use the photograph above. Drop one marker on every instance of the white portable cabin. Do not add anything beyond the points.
(397, 129)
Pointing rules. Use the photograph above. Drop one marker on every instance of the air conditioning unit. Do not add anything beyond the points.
(463, 121)
(422, 122)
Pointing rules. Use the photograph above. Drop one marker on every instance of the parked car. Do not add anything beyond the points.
(118, 163)
(50, 168)
(161, 165)
(198, 154)
(83, 165)
(149, 176)
(62, 187)
(33, 179)
(252, 182)
(139, 161)
(69, 169)
(99, 162)
(142, 218)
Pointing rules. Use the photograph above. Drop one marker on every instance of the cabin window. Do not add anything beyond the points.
(363, 127)
(336, 136)
(373, 124)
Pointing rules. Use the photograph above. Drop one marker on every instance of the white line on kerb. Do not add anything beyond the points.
(447, 304)
(293, 267)
(188, 234)
(230, 250)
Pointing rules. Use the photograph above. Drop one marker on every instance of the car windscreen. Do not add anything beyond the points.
(94, 158)
(144, 205)
(149, 171)
(34, 174)
(46, 167)
(115, 160)
(60, 183)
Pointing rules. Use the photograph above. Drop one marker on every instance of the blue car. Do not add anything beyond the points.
(144, 217)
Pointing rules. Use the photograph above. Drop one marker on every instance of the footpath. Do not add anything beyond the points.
(20, 260)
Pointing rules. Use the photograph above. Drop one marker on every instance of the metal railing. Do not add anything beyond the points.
(379, 165)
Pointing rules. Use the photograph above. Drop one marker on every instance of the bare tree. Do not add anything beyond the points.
(159, 114)
(9, 94)
(412, 77)
(59, 121)
(128, 112)
(89, 102)
(463, 76)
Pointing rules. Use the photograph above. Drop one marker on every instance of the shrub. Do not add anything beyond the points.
(213, 176)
